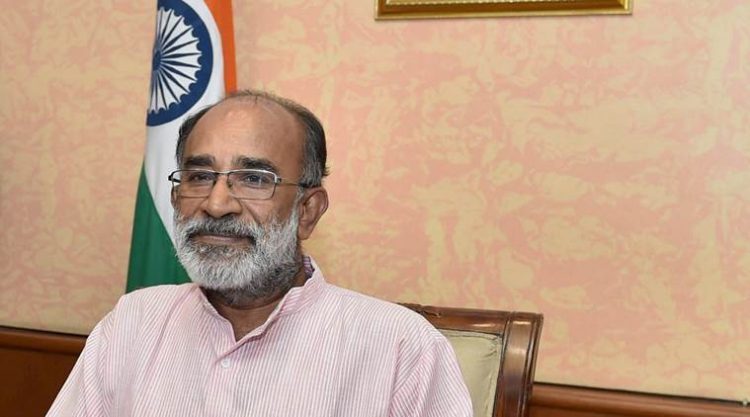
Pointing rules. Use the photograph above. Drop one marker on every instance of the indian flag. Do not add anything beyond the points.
(193, 66)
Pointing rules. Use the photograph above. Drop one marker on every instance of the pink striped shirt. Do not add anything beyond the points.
(324, 351)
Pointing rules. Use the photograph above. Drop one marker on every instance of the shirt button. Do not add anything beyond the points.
(225, 363)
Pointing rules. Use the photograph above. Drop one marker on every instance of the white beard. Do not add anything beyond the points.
(268, 266)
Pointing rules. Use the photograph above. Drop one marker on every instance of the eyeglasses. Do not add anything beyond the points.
(244, 184)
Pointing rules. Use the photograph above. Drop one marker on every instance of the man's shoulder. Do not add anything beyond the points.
(363, 302)
(160, 292)
(374, 313)
(154, 300)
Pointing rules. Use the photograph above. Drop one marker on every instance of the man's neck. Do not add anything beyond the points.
(248, 313)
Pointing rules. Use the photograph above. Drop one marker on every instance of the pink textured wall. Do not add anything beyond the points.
(595, 169)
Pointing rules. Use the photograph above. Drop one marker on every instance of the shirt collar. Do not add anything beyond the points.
(294, 300)
(299, 297)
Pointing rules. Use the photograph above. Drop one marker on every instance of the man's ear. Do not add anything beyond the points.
(173, 197)
(311, 208)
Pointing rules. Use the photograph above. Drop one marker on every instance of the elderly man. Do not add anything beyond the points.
(259, 332)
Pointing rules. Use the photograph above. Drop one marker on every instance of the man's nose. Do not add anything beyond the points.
(220, 201)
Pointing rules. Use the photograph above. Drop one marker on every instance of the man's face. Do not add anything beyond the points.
(241, 134)
(227, 244)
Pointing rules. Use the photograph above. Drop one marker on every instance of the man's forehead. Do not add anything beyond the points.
(247, 118)
(247, 126)
(235, 111)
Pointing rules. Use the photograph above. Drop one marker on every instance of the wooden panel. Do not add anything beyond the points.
(549, 400)
(34, 365)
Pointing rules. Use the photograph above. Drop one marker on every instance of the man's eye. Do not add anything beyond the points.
(199, 177)
(254, 179)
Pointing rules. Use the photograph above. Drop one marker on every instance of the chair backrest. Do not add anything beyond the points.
(496, 351)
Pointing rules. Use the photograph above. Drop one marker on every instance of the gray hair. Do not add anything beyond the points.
(314, 153)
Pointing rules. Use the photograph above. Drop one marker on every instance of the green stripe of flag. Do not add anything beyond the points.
(152, 256)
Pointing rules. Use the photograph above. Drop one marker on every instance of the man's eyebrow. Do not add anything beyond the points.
(246, 162)
(199, 161)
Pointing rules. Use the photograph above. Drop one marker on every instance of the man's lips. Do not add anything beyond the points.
(222, 240)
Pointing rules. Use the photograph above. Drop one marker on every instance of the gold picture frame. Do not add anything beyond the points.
(438, 9)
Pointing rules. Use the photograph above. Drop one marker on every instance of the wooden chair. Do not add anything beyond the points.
(496, 351)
